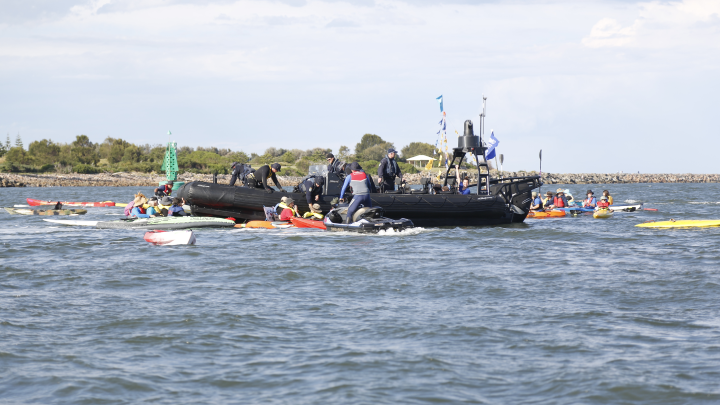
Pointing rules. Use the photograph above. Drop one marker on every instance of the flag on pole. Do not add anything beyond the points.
(440, 100)
(492, 144)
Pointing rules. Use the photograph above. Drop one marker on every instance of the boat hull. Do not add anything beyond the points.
(508, 203)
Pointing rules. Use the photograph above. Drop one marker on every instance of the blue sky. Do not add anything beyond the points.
(599, 86)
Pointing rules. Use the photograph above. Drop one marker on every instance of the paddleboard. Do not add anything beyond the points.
(28, 211)
(691, 223)
(71, 222)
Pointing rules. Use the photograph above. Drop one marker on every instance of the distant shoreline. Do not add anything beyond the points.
(150, 180)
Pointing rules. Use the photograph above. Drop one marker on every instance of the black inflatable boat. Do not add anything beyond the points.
(494, 202)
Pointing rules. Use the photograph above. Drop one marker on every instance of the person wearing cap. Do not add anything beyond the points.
(559, 200)
(315, 213)
(590, 201)
(165, 189)
(603, 203)
(259, 178)
(608, 196)
(388, 171)
(361, 186)
(176, 209)
(536, 204)
(334, 165)
(313, 188)
(289, 210)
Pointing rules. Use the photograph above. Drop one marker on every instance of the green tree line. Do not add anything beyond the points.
(115, 155)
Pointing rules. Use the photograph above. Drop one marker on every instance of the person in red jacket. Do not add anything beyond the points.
(290, 211)
(603, 203)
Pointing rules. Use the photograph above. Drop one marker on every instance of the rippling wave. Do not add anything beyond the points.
(557, 311)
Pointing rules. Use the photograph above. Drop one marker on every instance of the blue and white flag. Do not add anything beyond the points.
(440, 100)
(492, 144)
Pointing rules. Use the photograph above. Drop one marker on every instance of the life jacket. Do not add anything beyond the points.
(315, 215)
(141, 208)
(165, 190)
(282, 206)
(610, 199)
(590, 200)
(603, 204)
(358, 182)
(391, 168)
(558, 202)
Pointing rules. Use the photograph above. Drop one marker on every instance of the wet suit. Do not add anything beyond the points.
(336, 167)
(311, 190)
(239, 171)
(361, 185)
(262, 175)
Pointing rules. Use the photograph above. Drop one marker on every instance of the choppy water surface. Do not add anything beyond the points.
(562, 311)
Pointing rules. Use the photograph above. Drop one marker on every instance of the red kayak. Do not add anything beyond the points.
(307, 223)
(33, 202)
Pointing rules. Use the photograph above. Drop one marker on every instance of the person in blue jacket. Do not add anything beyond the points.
(361, 186)
(176, 210)
(464, 185)
(140, 211)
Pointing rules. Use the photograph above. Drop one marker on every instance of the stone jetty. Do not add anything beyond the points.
(148, 180)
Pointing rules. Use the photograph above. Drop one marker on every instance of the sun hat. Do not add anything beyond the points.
(559, 190)
(166, 201)
(289, 201)
(603, 198)
(140, 199)
(315, 208)
(284, 200)
(549, 193)
(590, 192)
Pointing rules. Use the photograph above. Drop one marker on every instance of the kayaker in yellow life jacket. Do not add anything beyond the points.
(315, 213)
(288, 203)
(608, 196)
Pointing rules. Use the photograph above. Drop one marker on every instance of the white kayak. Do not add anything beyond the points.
(626, 208)
(70, 222)
(168, 238)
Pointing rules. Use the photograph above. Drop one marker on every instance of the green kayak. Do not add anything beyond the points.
(27, 211)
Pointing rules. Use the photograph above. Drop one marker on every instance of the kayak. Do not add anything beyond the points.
(603, 213)
(547, 214)
(170, 238)
(167, 223)
(35, 202)
(691, 223)
(626, 208)
(264, 225)
(22, 211)
(72, 222)
(308, 223)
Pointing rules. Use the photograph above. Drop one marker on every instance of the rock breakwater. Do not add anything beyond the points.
(150, 180)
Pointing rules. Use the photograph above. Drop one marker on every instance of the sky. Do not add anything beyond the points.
(599, 86)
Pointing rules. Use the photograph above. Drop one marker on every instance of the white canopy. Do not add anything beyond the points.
(421, 157)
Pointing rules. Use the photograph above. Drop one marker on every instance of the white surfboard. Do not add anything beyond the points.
(72, 222)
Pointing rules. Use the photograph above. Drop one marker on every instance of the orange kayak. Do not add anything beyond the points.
(546, 214)
(33, 202)
(307, 223)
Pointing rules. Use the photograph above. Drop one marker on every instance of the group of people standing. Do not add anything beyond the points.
(560, 200)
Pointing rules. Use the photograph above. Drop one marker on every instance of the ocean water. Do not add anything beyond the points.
(552, 311)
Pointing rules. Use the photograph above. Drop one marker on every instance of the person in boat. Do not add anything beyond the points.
(164, 190)
(315, 213)
(176, 209)
(141, 208)
(334, 165)
(388, 171)
(537, 204)
(464, 185)
(558, 201)
(259, 178)
(607, 195)
(360, 183)
(288, 210)
(568, 197)
(590, 201)
(239, 171)
(58, 206)
(164, 205)
(547, 201)
(603, 203)
(313, 188)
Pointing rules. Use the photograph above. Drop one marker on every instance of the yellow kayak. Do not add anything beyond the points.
(603, 213)
(693, 223)
(121, 204)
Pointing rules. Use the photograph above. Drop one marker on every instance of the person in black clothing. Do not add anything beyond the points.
(334, 165)
(388, 171)
(313, 188)
(239, 171)
(259, 178)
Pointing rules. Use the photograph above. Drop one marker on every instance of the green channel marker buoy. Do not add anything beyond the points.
(170, 165)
